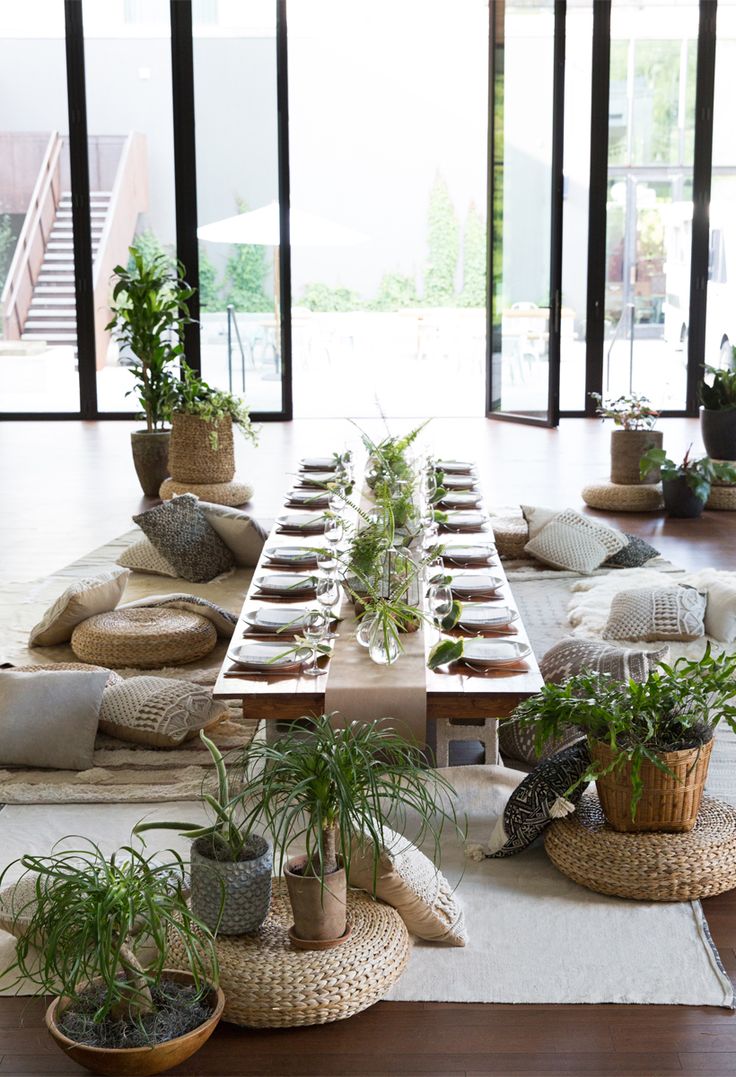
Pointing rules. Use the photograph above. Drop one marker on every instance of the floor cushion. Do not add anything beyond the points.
(720, 612)
(574, 542)
(143, 556)
(243, 535)
(635, 553)
(82, 599)
(657, 613)
(144, 638)
(182, 534)
(158, 712)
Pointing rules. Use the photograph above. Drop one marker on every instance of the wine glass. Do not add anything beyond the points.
(326, 560)
(334, 530)
(315, 629)
(337, 500)
(439, 599)
(328, 594)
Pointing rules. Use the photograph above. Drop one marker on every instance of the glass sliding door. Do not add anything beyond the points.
(525, 316)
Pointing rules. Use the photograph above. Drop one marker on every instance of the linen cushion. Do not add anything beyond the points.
(654, 613)
(18, 905)
(720, 612)
(635, 553)
(158, 711)
(82, 599)
(243, 535)
(143, 556)
(571, 541)
(50, 719)
(85, 667)
(538, 800)
(537, 518)
(408, 881)
(181, 532)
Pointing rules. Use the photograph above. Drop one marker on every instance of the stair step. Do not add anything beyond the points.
(56, 278)
(54, 289)
(52, 338)
(63, 312)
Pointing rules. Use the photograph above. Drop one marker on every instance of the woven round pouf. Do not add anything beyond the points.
(510, 534)
(144, 638)
(614, 497)
(219, 493)
(722, 498)
(648, 867)
(268, 984)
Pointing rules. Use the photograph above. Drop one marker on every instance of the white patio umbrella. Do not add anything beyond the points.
(262, 227)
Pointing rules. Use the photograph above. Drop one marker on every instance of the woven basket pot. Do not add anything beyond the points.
(667, 803)
(232, 897)
(627, 449)
(191, 455)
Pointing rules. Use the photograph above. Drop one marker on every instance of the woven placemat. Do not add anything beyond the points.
(648, 867)
(616, 497)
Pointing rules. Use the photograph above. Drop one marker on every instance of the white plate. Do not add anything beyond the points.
(309, 522)
(309, 497)
(471, 585)
(494, 652)
(283, 584)
(317, 478)
(267, 656)
(458, 482)
(454, 467)
(465, 521)
(274, 618)
(460, 500)
(291, 555)
(481, 615)
(318, 463)
(463, 554)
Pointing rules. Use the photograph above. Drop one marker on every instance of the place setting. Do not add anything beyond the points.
(300, 524)
(285, 586)
(459, 482)
(310, 499)
(473, 586)
(455, 467)
(464, 499)
(471, 554)
(491, 656)
(458, 521)
(306, 655)
(292, 557)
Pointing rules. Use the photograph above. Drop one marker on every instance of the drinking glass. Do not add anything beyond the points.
(334, 530)
(315, 629)
(337, 500)
(439, 599)
(328, 593)
(326, 560)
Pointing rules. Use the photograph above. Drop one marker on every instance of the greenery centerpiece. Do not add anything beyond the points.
(95, 931)
(633, 434)
(686, 487)
(650, 741)
(718, 414)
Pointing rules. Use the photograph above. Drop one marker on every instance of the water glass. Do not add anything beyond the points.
(334, 530)
(326, 560)
(439, 599)
(328, 593)
(315, 629)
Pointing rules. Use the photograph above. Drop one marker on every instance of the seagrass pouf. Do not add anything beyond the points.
(617, 497)
(268, 984)
(218, 493)
(144, 638)
(649, 866)
(510, 534)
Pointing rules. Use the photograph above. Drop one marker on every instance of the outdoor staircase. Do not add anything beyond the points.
(52, 315)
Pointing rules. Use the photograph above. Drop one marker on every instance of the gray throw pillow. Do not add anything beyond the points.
(635, 554)
(182, 534)
(654, 613)
(50, 719)
(571, 656)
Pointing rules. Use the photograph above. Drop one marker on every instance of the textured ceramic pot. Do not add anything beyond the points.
(200, 451)
(680, 500)
(320, 909)
(151, 458)
(232, 897)
(719, 433)
(627, 449)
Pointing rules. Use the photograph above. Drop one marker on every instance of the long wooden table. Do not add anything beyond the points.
(459, 696)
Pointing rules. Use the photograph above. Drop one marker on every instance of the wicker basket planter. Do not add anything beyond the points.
(192, 457)
(232, 897)
(667, 803)
(627, 449)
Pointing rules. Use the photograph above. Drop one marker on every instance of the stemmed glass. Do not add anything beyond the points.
(326, 560)
(334, 530)
(315, 629)
(439, 599)
(328, 594)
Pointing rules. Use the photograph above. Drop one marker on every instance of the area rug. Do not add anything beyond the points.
(534, 936)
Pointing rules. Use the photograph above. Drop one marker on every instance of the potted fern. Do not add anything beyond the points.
(686, 486)
(718, 413)
(149, 312)
(94, 931)
(230, 865)
(633, 434)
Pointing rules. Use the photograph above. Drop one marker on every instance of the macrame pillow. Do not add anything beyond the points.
(635, 553)
(144, 557)
(654, 613)
(182, 534)
(408, 880)
(572, 656)
(534, 803)
(157, 711)
(82, 599)
(571, 541)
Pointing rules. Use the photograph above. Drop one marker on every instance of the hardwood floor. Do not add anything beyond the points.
(68, 487)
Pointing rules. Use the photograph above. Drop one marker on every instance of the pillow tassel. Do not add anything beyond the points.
(561, 807)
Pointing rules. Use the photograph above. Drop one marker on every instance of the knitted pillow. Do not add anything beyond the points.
(571, 541)
(571, 656)
(158, 711)
(82, 599)
(654, 613)
(181, 532)
(634, 554)
(538, 800)
(408, 880)
(143, 556)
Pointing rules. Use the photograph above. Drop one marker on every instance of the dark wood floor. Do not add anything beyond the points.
(69, 486)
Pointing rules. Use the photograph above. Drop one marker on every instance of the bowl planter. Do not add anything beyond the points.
(667, 803)
(151, 458)
(718, 428)
(319, 909)
(192, 457)
(232, 896)
(680, 500)
(627, 448)
(137, 1061)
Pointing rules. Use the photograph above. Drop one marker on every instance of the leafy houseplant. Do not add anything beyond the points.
(149, 308)
(95, 932)
(686, 486)
(322, 790)
(718, 414)
(650, 742)
(634, 419)
(231, 867)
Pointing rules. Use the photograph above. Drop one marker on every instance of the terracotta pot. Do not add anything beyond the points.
(680, 500)
(138, 1061)
(719, 433)
(151, 458)
(193, 457)
(667, 803)
(319, 908)
(627, 449)
(232, 897)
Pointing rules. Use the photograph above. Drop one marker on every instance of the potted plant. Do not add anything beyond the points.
(650, 742)
(633, 418)
(94, 931)
(718, 413)
(149, 308)
(686, 486)
(323, 788)
(230, 865)
(201, 449)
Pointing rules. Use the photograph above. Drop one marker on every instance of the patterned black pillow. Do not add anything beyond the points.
(182, 534)
(539, 800)
(635, 554)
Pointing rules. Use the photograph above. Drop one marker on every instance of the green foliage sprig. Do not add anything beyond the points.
(633, 412)
(699, 473)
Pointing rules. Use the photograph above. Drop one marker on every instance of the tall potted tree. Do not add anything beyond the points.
(149, 307)
(633, 434)
(718, 413)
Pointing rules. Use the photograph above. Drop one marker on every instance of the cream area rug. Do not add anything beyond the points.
(534, 936)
